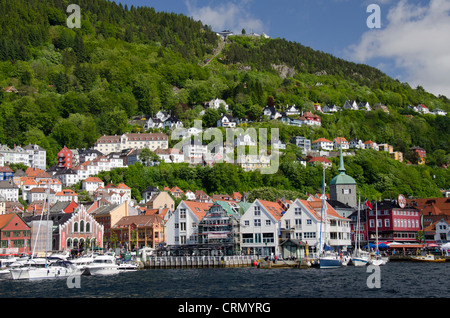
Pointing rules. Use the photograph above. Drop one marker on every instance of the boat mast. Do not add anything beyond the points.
(376, 226)
(321, 212)
(357, 227)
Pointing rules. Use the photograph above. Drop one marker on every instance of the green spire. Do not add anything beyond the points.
(341, 159)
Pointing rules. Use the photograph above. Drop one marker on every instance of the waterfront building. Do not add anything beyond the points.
(182, 225)
(15, 234)
(260, 226)
(79, 231)
(302, 221)
(137, 231)
(219, 230)
(108, 215)
(393, 222)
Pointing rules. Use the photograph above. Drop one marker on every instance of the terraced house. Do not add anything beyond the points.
(153, 141)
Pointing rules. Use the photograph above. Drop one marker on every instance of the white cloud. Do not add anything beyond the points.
(417, 39)
(228, 15)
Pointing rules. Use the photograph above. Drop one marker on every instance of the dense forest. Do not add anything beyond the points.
(75, 85)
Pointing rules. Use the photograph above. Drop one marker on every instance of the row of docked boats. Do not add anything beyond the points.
(35, 268)
(361, 258)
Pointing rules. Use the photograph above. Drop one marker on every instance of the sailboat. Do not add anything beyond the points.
(359, 257)
(377, 260)
(42, 269)
(327, 259)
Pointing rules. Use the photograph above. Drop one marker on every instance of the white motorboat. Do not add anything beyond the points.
(103, 265)
(128, 267)
(82, 262)
(36, 270)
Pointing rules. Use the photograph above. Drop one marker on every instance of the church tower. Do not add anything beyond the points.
(343, 187)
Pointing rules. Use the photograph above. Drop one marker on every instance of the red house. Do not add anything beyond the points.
(65, 158)
(396, 222)
(15, 235)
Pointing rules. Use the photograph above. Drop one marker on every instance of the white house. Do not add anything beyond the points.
(340, 142)
(91, 184)
(271, 112)
(330, 109)
(369, 144)
(322, 144)
(423, 109)
(351, 105)
(260, 226)
(171, 155)
(227, 121)
(438, 111)
(182, 225)
(245, 140)
(356, 144)
(216, 103)
(302, 221)
(292, 110)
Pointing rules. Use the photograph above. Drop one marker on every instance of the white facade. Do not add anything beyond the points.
(182, 225)
(37, 156)
(108, 144)
(322, 144)
(259, 229)
(9, 191)
(302, 221)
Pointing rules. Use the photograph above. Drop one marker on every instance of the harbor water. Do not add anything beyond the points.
(396, 280)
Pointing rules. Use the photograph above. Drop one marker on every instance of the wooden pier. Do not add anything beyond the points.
(197, 261)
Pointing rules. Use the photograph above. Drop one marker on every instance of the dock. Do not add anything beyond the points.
(198, 262)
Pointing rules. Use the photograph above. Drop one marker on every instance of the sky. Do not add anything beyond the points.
(412, 43)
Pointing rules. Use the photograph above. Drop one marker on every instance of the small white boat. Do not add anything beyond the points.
(128, 267)
(103, 265)
(428, 258)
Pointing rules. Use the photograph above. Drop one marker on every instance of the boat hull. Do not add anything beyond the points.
(359, 261)
(329, 263)
(40, 273)
(99, 271)
(424, 260)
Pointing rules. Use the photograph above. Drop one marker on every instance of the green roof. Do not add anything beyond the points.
(342, 177)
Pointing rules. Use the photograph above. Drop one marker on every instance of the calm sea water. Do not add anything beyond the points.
(398, 280)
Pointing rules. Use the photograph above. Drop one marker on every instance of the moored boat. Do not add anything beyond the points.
(428, 258)
(103, 265)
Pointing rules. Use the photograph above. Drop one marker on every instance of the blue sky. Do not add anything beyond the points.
(412, 45)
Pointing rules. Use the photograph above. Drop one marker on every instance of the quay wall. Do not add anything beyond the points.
(197, 261)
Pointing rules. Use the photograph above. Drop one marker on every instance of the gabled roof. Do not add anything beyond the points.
(321, 140)
(274, 208)
(198, 208)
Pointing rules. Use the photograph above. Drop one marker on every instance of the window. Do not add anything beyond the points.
(75, 227)
(182, 213)
(298, 223)
(386, 223)
(257, 222)
(372, 223)
(247, 223)
(82, 226)
(257, 237)
(309, 222)
(257, 211)
(268, 222)
(298, 211)
(182, 226)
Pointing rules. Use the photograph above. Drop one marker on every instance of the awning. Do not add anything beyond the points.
(406, 246)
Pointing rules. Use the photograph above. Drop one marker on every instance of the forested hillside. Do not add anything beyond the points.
(75, 85)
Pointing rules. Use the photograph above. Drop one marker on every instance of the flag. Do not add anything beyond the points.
(367, 204)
